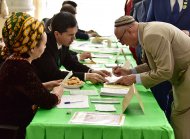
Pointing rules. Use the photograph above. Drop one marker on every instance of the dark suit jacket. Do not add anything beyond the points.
(47, 66)
(160, 10)
(81, 35)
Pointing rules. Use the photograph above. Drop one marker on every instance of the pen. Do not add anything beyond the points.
(69, 102)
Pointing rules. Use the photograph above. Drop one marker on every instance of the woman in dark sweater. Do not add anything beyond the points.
(20, 88)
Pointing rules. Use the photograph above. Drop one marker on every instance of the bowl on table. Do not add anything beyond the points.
(73, 82)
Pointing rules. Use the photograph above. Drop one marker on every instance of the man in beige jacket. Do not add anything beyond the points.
(167, 57)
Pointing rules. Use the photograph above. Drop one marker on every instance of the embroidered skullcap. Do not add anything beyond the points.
(21, 33)
(124, 20)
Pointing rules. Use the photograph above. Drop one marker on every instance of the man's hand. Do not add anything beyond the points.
(103, 73)
(95, 78)
(127, 80)
(119, 71)
(85, 55)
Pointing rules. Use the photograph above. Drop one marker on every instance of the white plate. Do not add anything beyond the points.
(73, 86)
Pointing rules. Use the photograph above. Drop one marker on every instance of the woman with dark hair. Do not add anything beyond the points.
(20, 87)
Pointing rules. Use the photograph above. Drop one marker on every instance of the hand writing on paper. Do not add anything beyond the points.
(119, 71)
(127, 80)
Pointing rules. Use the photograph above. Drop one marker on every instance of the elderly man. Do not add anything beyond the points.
(167, 55)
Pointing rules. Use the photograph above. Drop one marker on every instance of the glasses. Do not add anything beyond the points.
(120, 39)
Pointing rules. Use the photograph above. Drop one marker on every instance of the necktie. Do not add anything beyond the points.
(175, 12)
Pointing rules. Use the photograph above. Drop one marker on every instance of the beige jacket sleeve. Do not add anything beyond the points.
(142, 68)
(160, 56)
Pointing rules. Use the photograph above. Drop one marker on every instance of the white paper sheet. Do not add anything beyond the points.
(113, 91)
(105, 100)
(72, 89)
(112, 79)
(84, 92)
(97, 118)
(76, 101)
(109, 56)
(105, 107)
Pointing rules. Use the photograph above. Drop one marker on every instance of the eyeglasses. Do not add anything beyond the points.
(120, 39)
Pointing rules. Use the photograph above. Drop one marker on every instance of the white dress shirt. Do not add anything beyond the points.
(172, 2)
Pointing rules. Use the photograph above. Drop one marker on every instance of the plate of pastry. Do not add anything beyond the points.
(73, 82)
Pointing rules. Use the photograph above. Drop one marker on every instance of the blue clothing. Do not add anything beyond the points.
(140, 10)
(160, 10)
(140, 15)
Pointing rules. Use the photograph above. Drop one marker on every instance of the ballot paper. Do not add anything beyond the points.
(113, 91)
(109, 56)
(112, 79)
(117, 86)
(97, 118)
(105, 100)
(84, 92)
(105, 107)
(74, 101)
(111, 65)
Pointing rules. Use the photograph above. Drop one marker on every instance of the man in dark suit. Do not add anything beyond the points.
(64, 28)
(70, 6)
(175, 12)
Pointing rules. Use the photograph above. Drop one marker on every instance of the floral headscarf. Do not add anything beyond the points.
(21, 33)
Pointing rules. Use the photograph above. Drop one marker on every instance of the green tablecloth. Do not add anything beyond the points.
(53, 124)
(152, 124)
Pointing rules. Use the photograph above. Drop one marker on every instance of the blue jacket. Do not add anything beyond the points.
(160, 10)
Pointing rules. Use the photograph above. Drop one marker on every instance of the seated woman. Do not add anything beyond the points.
(20, 88)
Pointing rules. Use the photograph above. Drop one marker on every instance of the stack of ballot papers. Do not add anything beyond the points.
(97, 118)
(113, 91)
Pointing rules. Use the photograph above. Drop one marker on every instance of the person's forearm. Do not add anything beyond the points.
(142, 68)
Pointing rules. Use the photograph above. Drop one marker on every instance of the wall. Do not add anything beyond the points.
(98, 15)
